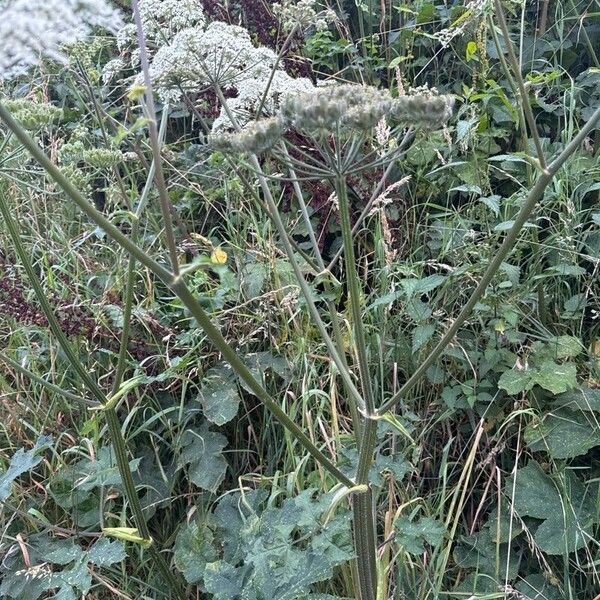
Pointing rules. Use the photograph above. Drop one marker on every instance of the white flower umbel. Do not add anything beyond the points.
(223, 55)
(303, 14)
(30, 30)
(161, 19)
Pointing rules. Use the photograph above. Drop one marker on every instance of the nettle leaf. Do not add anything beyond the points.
(219, 396)
(22, 462)
(202, 453)
(421, 335)
(516, 381)
(585, 398)
(568, 512)
(537, 587)
(412, 535)
(416, 287)
(564, 434)
(556, 378)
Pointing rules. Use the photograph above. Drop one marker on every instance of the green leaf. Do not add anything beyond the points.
(516, 381)
(193, 550)
(556, 378)
(22, 462)
(537, 587)
(535, 493)
(585, 398)
(563, 534)
(421, 335)
(416, 287)
(219, 397)
(564, 434)
(202, 453)
(412, 535)
(106, 552)
(567, 508)
(265, 551)
(564, 346)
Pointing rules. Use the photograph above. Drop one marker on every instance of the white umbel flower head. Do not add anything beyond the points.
(161, 19)
(30, 30)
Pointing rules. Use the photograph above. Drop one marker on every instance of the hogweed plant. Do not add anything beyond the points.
(349, 129)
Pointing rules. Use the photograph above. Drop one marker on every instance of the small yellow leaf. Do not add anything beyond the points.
(136, 91)
(218, 256)
(127, 534)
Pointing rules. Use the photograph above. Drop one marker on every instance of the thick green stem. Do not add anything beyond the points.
(176, 284)
(354, 295)
(51, 387)
(535, 195)
(114, 428)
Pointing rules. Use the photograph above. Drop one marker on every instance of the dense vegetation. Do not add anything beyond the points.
(291, 266)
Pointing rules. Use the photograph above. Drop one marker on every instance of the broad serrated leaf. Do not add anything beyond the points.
(106, 552)
(193, 550)
(222, 580)
(203, 455)
(416, 287)
(556, 378)
(412, 535)
(22, 462)
(516, 381)
(219, 397)
(564, 346)
(421, 335)
(564, 434)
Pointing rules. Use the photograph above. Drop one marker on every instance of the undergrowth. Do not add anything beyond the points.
(485, 473)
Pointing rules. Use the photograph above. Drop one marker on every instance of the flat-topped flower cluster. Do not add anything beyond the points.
(189, 55)
(338, 110)
(32, 30)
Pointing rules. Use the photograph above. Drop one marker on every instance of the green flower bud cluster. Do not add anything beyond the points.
(425, 109)
(102, 158)
(255, 137)
(78, 178)
(351, 107)
(33, 115)
(76, 151)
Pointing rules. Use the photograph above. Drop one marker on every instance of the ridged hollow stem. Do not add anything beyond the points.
(364, 530)
(333, 315)
(116, 435)
(364, 517)
(51, 387)
(165, 205)
(120, 449)
(354, 294)
(177, 285)
(289, 251)
(535, 195)
(523, 93)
